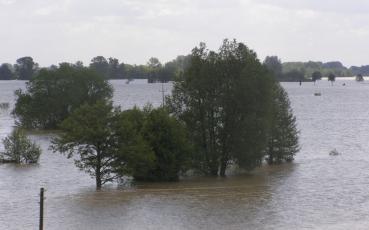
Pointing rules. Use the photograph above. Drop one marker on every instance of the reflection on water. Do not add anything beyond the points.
(318, 191)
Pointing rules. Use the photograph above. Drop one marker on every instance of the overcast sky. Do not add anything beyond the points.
(52, 31)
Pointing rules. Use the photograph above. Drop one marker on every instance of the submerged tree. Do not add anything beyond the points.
(109, 144)
(224, 98)
(283, 134)
(154, 144)
(331, 78)
(89, 133)
(6, 72)
(19, 149)
(316, 76)
(25, 68)
(100, 65)
(274, 64)
(53, 94)
(359, 77)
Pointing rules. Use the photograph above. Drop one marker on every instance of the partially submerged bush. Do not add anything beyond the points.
(19, 149)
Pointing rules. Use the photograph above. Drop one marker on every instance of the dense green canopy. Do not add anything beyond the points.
(53, 94)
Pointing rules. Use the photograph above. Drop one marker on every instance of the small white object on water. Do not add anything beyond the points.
(334, 152)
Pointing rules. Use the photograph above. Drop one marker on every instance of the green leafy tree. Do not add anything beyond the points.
(154, 144)
(168, 139)
(133, 148)
(100, 65)
(274, 64)
(224, 98)
(19, 149)
(89, 132)
(316, 76)
(26, 68)
(283, 135)
(6, 72)
(52, 95)
(154, 68)
(114, 71)
(331, 78)
(359, 77)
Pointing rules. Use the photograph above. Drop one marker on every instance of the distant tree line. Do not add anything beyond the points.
(110, 68)
(310, 71)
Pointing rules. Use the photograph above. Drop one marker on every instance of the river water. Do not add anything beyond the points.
(317, 191)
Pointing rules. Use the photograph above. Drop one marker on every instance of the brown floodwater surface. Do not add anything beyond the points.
(317, 191)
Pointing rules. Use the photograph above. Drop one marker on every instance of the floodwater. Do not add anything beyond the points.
(317, 191)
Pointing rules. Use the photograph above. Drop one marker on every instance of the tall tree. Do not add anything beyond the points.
(154, 69)
(283, 135)
(331, 78)
(114, 71)
(274, 64)
(52, 95)
(100, 65)
(224, 98)
(89, 132)
(316, 76)
(154, 144)
(6, 72)
(25, 68)
(359, 77)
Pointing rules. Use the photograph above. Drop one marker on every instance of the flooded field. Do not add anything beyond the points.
(317, 191)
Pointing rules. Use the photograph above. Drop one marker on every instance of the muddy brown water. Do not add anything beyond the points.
(317, 191)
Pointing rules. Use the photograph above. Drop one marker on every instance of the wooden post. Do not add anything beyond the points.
(42, 208)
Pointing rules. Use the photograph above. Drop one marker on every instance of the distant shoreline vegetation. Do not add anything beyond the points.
(311, 71)
(26, 68)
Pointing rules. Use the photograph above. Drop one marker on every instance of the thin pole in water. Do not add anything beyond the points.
(42, 208)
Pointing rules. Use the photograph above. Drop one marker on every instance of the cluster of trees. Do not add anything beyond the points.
(110, 68)
(147, 144)
(226, 108)
(24, 69)
(229, 102)
(54, 94)
(362, 70)
(306, 71)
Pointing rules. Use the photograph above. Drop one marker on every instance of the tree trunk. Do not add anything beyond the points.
(98, 171)
(223, 167)
(98, 180)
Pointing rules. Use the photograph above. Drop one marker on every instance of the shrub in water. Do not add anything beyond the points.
(19, 149)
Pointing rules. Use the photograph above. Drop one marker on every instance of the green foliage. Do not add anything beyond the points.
(25, 68)
(6, 72)
(293, 75)
(274, 64)
(316, 76)
(308, 68)
(147, 144)
(331, 78)
(359, 77)
(224, 98)
(53, 94)
(154, 144)
(100, 65)
(283, 134)
(89, 132)
(19, 149)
